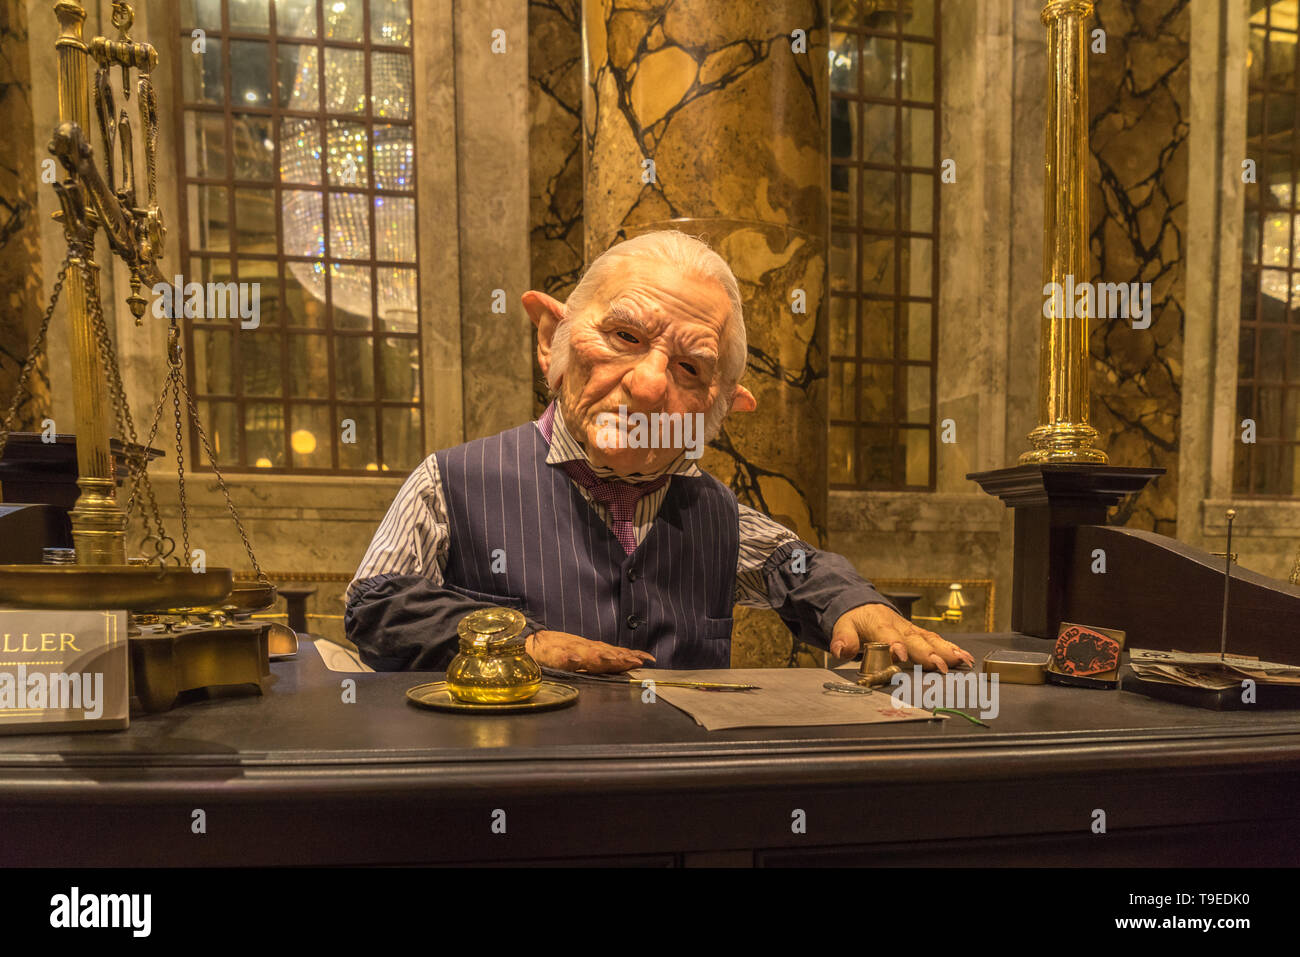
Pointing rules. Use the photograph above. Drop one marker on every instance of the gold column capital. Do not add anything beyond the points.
(1059, 9)
(69, 10)
(71, 16)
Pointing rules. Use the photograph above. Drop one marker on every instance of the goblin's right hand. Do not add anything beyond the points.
(559, 649)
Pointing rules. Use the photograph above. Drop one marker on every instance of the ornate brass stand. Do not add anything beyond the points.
(190, 636)
(1063, 433)
(98, 522)
(1068, 563)
(1062, 481)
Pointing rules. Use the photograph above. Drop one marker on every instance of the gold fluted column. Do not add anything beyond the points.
(1063, 433)
(98, 522)
(734, 120)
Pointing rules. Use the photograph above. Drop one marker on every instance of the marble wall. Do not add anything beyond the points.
(990, 226)
(492, 133)
(555, 156)
(22, 298)
(1266, 533)
(1139, 102)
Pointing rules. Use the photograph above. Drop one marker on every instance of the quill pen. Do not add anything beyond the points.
(623, 680)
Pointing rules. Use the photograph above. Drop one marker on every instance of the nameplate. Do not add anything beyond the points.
(63, 671)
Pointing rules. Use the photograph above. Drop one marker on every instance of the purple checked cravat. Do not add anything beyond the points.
(619, 497)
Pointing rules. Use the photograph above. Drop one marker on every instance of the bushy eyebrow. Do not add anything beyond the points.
(702, 355)
(619, 312)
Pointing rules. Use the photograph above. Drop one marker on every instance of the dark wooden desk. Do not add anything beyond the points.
(299, 777)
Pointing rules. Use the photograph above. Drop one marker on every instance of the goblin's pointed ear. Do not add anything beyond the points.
(546, 313)
(742, 400)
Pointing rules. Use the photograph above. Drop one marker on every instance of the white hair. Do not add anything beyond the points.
(691, 257)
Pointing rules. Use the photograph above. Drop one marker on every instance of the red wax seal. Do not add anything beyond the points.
(1082, 651)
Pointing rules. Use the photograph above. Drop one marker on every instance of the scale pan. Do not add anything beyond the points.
(175, 589)
(249, 597)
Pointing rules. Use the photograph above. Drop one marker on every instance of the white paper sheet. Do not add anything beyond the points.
(787, 698)
(338, 658)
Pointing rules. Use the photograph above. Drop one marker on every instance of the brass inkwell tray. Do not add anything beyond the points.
(493, 670)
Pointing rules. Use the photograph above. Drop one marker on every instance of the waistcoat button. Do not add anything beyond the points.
(633, 622)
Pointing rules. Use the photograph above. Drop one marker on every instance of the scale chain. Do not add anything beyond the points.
(37, 347)
(135, 455)
(212, 460)
(159, 544)
(174, 361)
(148, 442)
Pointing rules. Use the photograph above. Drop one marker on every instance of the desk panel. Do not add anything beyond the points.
(298, 777)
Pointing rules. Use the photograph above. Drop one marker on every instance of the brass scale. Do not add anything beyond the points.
(182, 621)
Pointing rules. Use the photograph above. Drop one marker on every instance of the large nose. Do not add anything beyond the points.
(647, 382)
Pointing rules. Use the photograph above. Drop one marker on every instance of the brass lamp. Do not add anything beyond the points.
(952, 610)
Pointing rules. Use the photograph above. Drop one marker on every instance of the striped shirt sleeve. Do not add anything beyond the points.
(760, 536)
(807, 587)
(414, 536)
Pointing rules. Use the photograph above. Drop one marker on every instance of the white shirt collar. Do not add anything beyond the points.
(566, 448)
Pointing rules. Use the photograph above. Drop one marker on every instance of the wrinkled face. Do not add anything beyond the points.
(650, 342)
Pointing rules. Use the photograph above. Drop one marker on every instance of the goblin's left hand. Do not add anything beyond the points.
(908, 643)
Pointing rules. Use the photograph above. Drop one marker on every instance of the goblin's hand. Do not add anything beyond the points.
(908, 643)
(559, 649)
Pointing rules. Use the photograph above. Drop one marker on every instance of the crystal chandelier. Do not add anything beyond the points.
(346, 144)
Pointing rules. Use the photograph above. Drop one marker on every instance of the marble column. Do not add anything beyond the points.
(1139, 96)
(554, 156)
(730, 105)
(22, 301)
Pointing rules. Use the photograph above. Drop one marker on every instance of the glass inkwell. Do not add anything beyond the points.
(493, 665)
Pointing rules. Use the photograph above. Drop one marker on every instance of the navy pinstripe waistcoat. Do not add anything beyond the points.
(523, 536)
